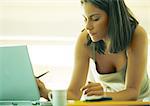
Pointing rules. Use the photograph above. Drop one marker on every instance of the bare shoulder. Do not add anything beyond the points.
(82, 38)
(140, 34)
(81, 43)
(139, 38)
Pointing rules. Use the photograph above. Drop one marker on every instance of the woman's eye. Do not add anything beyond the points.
(95, 18)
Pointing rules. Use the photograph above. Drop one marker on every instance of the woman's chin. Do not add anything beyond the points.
(95, 39)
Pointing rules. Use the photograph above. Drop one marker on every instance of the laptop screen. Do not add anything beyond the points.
(17, 81)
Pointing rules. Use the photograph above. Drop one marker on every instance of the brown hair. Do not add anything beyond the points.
(121, 22)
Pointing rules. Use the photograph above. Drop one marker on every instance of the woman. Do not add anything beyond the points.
(118, 45)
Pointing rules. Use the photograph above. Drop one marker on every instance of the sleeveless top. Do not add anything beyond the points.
(114, 82)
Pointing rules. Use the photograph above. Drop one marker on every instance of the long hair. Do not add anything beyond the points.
(121, 23)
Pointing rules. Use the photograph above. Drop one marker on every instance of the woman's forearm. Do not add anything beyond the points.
(124, 95)
(73, 96)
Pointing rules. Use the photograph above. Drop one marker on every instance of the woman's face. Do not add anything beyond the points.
(96, 21)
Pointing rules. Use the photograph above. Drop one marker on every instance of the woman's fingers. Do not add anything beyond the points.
(40, 84)
(42, 89)
(89, 85)
(92, 89)
(96, 93)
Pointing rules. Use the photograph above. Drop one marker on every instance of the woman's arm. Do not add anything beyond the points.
(136, 67)
(81, 65)
(43, 90)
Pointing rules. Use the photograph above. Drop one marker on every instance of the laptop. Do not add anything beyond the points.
(17, 80)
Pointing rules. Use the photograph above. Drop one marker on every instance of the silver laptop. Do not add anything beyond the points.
(17, 81)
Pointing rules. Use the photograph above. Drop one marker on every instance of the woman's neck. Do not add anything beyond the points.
(107, 44)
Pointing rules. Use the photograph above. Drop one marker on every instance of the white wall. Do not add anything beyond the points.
(54, 17)
(40, 18)
(141, 10)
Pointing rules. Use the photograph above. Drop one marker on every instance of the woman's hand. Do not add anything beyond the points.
(93, 89)
(43, 91)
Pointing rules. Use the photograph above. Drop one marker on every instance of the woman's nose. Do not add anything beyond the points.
(89, 26)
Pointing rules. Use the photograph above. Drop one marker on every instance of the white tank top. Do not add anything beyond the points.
(115, 82)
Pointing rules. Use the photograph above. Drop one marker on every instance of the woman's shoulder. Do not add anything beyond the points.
(140, 33)
(81, 43)
(83, 34)
(139, 38)
(81, 48)
(82, 38)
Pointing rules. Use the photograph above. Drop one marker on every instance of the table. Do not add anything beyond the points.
(81, 103)
(108, 103)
